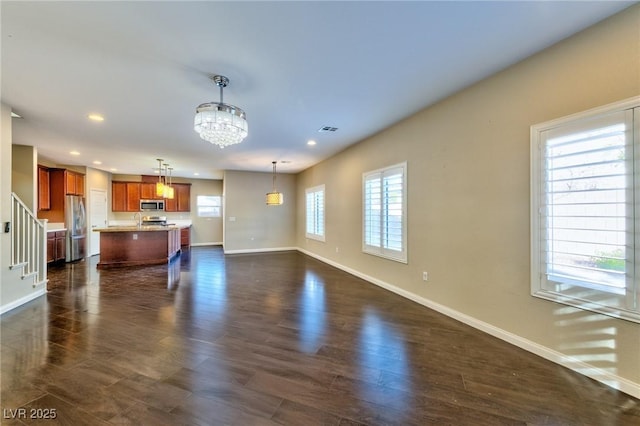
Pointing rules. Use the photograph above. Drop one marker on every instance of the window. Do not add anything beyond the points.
(315, 212)
(385, 220)
(209, 205)
(585, 206)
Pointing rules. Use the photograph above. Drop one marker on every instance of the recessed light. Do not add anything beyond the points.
(196, 174)
(311, 143)
(113, 169)
(95, 117)
(74, 153)
(285, 161)
(97, 162)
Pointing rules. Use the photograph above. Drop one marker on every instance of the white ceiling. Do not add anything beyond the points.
(294, 67)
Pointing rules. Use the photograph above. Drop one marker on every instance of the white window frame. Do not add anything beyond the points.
(381, 249)
(315, 229)
(198, 205)
(581, 292)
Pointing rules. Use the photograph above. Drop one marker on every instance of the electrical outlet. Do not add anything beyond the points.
(337, 249)
(425, 276)
(135, 236)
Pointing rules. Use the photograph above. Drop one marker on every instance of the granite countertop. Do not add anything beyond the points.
(134, 228)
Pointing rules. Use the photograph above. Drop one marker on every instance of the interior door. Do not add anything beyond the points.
(97, 218)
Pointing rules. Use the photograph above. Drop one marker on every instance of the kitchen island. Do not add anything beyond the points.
(138, 245)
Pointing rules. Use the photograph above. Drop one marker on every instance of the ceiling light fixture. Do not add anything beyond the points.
(219, 123)
(160, 184)
(95, 117)
(274, 198)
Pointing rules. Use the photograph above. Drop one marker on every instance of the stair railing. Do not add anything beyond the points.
(28, 242)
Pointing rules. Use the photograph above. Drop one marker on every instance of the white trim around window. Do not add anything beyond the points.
(384, 219)
(315, 216)
(585, 210)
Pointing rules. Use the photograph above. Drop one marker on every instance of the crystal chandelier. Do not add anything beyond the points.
(219, 123)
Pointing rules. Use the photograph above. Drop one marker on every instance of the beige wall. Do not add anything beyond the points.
(250, 224)
(205, 230)
(13, 290)
(24, 172)
(468, 196)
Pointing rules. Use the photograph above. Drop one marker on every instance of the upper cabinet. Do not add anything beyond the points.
(126, 196)
(181, 201)
(44, 189)
(74, 183)
(148, 191)
(53, 186)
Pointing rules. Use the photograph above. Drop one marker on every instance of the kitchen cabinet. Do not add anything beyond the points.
(181, 201)
(125, 196)
(148, 191)
(74, 183)
(185, 237)
(44, 189)
(56, 246)
(62, 182)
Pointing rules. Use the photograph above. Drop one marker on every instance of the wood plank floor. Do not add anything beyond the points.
(267, 339)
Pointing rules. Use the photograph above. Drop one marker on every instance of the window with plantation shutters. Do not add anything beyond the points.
(315, 212)
(585, 206)
(384, 216)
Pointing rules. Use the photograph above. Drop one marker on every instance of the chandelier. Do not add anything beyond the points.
(274, 198)
(219, 123)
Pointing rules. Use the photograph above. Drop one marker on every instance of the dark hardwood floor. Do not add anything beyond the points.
(263, 339)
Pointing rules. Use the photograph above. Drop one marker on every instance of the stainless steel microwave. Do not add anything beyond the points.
(151, 205)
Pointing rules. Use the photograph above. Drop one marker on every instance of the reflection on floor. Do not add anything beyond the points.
(275, 338)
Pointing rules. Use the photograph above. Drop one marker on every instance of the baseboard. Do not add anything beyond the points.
(206, 244)
(26, 299)
(260, 250)
(598, 374)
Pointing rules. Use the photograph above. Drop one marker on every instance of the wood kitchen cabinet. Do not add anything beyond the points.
(44, 189)
(185, 237)
(125, 196)
(56, 246)
(62, 182)
(181, 201)
(148, 191)
(74, 183)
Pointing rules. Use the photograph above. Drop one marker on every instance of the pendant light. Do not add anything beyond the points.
(274, 198)
(168, 190)
(160, 184)
(169, 193)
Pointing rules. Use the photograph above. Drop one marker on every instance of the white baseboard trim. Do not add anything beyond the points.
(206, 244)
(26, 299)
(602, 376)
(260, 250)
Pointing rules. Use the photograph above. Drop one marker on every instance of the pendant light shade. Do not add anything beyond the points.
(274, 198)
(160, 184)
(219, 123)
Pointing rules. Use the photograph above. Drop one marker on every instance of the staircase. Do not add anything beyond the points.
(28, 243)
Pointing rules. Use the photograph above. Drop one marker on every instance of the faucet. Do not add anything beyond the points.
(139, 216)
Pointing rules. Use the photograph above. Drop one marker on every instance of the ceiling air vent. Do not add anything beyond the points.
(327, 129)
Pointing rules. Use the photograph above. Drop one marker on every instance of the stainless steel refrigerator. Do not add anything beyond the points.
(76, 223)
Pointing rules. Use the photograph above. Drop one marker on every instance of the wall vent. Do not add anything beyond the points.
(327, 129)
